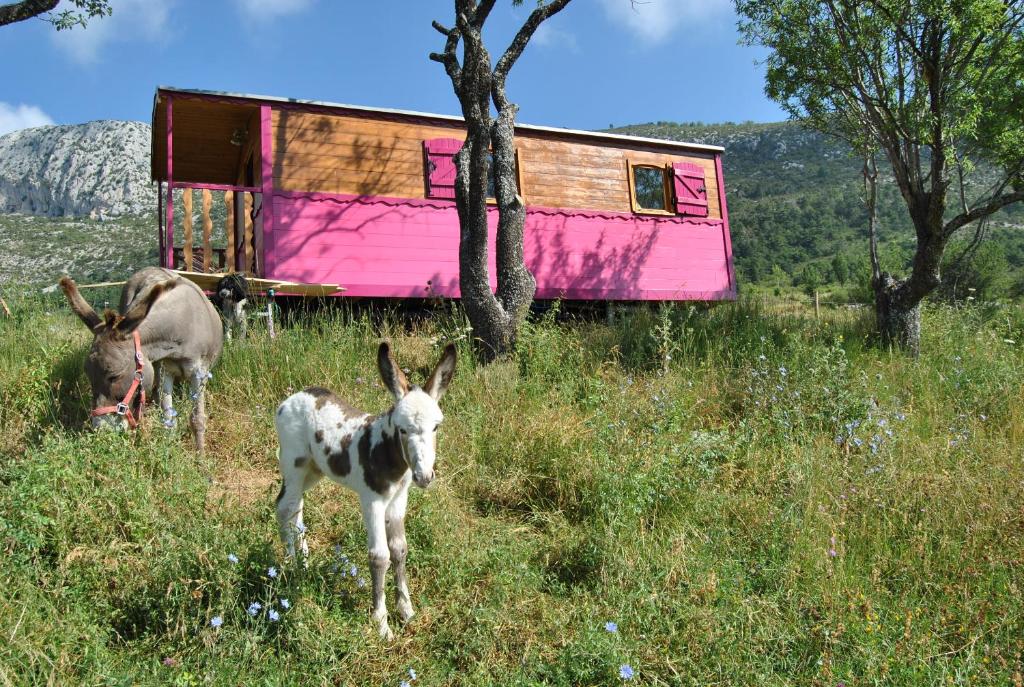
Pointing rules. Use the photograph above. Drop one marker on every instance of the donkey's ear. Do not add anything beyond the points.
(439, 379)
(137, 313)
(394, 378)
(78, 304)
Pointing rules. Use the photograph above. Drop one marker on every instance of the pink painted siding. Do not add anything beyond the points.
(392, 247)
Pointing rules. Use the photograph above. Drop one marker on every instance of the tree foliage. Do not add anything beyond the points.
(65, 19)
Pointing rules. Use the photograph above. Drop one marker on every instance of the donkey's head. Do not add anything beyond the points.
(416, 415)
(110, 365)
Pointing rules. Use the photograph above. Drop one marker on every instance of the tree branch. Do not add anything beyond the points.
(985, 210)
(20, 11)
(448, 58)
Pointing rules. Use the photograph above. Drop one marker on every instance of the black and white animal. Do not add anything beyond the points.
(230, 297)
(377, 457)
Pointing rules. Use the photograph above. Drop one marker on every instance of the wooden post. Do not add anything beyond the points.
(186, 249)
(229, 203)
(248, 256)
(168, 257)
(817, 306)
(207, 229)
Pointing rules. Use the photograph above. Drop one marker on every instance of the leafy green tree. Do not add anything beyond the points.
(840, 269)
(811, 279)
(65, 19)
(933, 86)
(479, 84)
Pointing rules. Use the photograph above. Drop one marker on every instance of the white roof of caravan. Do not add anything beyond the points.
(595, 135)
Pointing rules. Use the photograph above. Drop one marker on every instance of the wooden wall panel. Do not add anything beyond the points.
(354, 155)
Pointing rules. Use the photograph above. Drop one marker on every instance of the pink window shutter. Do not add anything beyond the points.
(441, 167)
(691, 193)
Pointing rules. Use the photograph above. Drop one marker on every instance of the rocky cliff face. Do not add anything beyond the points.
(98, 170)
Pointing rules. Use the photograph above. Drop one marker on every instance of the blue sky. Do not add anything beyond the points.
(599, 62)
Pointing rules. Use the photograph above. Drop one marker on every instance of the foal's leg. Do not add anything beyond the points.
(297, 475)
(395, 524)
(377, 543)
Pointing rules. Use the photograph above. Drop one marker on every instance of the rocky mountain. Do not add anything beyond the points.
(98, 170)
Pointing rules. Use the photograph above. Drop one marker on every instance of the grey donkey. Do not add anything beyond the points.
(162, 321)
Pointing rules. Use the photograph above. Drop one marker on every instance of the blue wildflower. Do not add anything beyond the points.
(216, 621)
(271, 572)
(361, 582)
(273, 615)
(353, 571)
(412, 674)
(232, 558)
(611, 627)
(286, 604)
(254, 608)
(783, 371)
(858, 442)
(626, 671)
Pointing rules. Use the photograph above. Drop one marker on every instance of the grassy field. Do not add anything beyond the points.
(752, 497)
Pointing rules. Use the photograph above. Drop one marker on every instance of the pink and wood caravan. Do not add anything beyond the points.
(363, 197)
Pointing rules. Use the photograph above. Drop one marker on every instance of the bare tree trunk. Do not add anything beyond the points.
(495, 317)
(898, 319)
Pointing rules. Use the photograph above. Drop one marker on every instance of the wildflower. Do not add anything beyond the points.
(783, 371)
(271, 572)
(216, 621)
(170, 662)
(882, 422)
(611, 627)
(273, 615)
(901, 417)
(286, 604)
(254, 608)
(361, 582)
(412, 674)
(858, 442)
(626, 671)
(404, 683)
(762, 357)
(354, 570)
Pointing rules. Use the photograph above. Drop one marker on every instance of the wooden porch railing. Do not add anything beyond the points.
(241, 253)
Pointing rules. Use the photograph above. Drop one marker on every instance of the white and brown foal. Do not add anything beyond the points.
(375, 456)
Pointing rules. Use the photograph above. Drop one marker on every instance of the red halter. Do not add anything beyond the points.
(125, 407)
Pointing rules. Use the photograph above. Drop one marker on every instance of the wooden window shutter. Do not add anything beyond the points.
(440, 156)
(690, 190)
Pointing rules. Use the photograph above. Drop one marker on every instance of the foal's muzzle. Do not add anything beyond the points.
(422, 481)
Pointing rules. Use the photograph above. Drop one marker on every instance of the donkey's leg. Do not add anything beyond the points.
(395, 524)
(166, 399)
(377, 543)
(197, 379)
(243, 324)
(225, 310)
(297, 475)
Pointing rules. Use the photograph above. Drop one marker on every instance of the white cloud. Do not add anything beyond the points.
(132, 20)
(267, 9)
(549, 36)
(22, 116)
(654, 20)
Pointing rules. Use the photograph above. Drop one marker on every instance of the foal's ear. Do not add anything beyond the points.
(439, 379)
(134, 317)
(394, 378)
(84, 311)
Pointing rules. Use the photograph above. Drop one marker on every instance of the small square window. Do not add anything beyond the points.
(649, 189)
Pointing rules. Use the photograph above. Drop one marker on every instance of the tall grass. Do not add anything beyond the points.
(753, 498)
